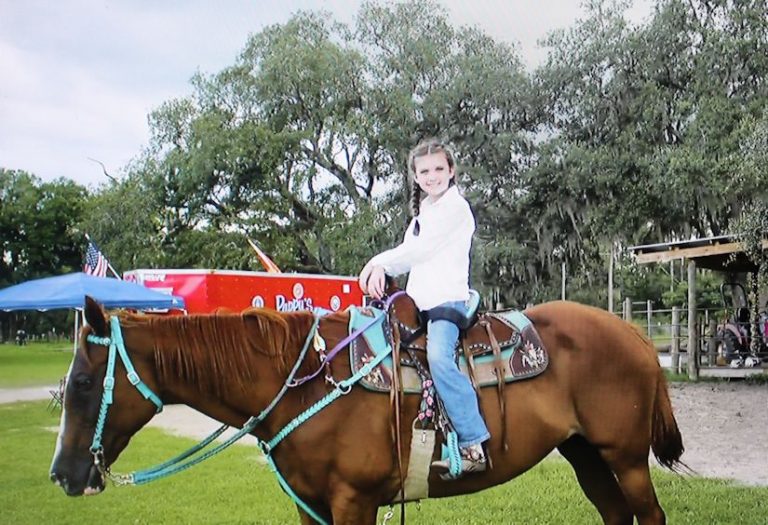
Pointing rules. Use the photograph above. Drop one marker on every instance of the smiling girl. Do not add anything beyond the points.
(435, 250)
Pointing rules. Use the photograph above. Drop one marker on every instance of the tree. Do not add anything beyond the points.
(38, 235)
(627, 135)
(302, 142)
(37, 226)
(645, 124)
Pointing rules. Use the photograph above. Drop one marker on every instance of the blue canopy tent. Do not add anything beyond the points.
(69, 291)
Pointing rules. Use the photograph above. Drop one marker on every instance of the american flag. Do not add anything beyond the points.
(95, 262)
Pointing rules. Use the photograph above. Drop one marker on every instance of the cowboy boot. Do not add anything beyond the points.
(472, 460)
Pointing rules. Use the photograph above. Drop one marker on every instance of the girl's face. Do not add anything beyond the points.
(433, 174)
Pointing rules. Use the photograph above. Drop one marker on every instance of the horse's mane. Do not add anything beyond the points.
(222, 350)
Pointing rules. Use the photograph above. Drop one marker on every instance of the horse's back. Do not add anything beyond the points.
(607, 368)
(593, 335)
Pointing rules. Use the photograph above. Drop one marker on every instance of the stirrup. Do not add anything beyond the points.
(473, 460)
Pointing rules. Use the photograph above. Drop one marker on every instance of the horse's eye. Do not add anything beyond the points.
(83, 382)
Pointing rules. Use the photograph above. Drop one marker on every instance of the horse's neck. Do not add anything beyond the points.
(228, 382)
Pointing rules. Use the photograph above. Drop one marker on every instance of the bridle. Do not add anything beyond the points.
(116, 348)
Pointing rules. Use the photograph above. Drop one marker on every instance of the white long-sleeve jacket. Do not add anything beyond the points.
(438, 257)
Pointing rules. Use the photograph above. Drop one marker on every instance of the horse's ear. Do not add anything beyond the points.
(94, 316)
(390, 285)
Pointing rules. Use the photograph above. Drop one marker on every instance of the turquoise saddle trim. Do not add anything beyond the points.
(512, 353)
(516, 318)
(374, 336)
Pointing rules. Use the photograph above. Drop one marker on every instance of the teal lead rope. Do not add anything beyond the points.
(178, 463)
(450, 451)
(175, 465)
(344, 387)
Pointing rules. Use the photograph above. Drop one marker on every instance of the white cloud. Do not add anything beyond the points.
(79, 77)
(55, 115)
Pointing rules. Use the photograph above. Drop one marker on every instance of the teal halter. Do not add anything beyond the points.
(191, 456)
(116, 348)
(186, 459)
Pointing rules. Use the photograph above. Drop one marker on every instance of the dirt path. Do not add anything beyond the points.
(725, 429)
(724, 426)
(33, 393)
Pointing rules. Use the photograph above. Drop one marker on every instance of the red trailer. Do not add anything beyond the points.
(206, 290)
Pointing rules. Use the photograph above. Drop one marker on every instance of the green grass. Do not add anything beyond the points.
(674, 377)
(757, 380)
(236, 487)
(33, 364)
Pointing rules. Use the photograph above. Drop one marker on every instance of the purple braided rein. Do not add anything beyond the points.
(344, 342)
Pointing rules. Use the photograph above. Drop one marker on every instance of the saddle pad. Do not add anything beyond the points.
(369, 344)
(522, 353)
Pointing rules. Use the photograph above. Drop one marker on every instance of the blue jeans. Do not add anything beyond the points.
(453, 387)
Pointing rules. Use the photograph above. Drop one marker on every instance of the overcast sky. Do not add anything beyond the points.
(78, 77)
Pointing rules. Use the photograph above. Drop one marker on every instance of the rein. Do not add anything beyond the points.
(178, 463)
(187, 459)
(340, 345)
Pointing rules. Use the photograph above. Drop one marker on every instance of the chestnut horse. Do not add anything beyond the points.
(602, 402)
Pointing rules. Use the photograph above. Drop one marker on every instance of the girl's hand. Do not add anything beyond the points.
(377, 282)
(372, 281)
(362, 280)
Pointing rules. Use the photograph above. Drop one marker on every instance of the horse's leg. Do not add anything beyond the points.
(350, 506)
(634, 477)
(306, 519)
(597, 481)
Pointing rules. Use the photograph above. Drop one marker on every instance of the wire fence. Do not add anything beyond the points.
(722, 339)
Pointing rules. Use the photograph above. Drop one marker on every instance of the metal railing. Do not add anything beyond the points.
(668, 330)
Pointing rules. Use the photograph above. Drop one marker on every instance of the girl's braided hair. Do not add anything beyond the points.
(426, 147)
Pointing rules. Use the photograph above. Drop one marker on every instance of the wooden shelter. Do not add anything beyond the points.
(722, 254)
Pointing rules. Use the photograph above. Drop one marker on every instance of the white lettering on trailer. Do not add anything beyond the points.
(293, 305)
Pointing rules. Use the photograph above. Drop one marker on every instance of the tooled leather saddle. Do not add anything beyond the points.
(496, 345)
(493, 349)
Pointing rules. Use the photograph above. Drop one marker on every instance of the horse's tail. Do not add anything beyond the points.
(666, 441)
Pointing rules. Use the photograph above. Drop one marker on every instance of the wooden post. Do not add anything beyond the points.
(672, 276)
(627, 309)
(675, 348)
(77, 331)
(649, 318)
(693, 334)
(610, 282)
(562, 270)
(712, 343)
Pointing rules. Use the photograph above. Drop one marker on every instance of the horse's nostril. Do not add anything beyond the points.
(59, 481)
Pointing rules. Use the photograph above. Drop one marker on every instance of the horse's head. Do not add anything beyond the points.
(81, 460)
